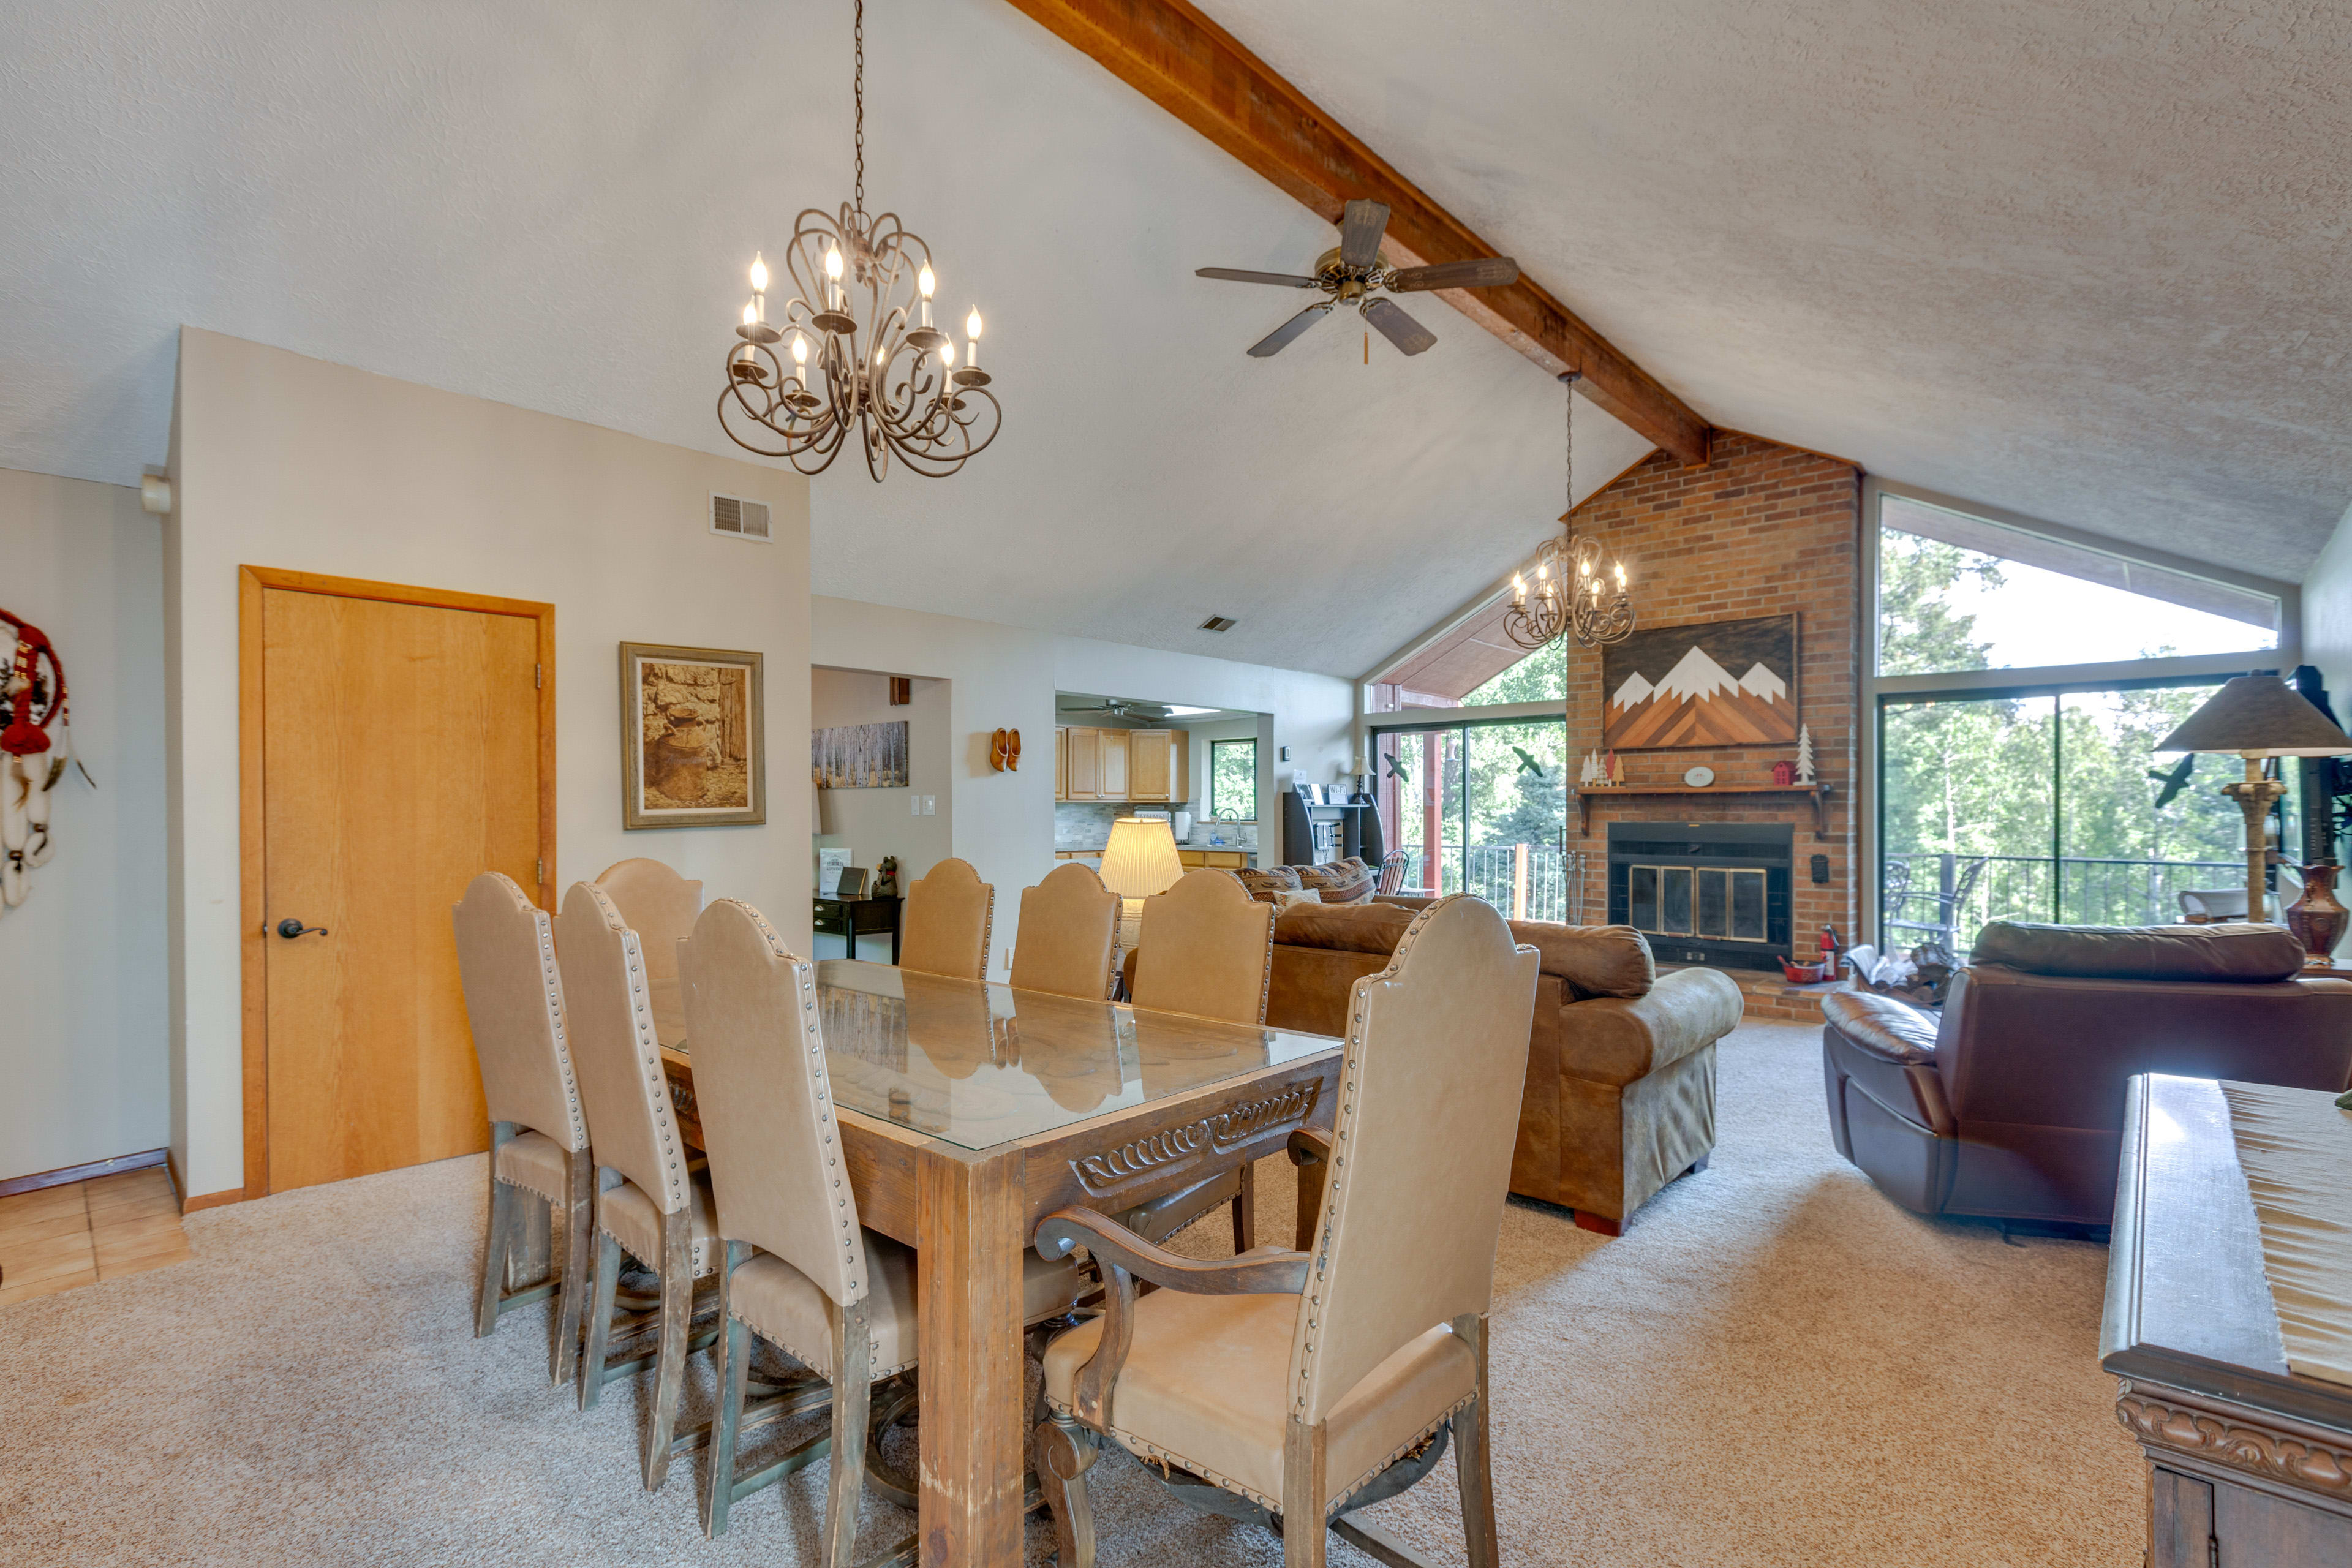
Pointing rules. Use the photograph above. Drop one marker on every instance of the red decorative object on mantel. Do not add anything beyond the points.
(1784, 773)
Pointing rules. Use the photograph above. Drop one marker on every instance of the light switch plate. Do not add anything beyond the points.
(914, 806)
(930, 806)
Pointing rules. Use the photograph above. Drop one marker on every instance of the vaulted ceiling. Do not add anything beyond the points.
(2060, 259)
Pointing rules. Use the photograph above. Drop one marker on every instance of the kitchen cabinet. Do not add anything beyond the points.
(1112, 781)
(1159, 765)
(1220, 859)
(1085, 765)
(1061, 762)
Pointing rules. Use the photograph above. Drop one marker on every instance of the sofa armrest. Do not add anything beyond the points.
(1404, 900)
(1888, 1050)
(1617, 1039)
(1883, 1026)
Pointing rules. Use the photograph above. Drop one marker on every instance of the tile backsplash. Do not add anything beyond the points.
(1085, 825)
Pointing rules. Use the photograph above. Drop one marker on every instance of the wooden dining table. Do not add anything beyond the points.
(968, 1112)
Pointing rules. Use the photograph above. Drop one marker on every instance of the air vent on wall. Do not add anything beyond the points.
(739, 518)
(1219, 624)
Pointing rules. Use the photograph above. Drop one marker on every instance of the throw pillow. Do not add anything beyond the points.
(1339, 882)
(1264, 884)
(1285, 900)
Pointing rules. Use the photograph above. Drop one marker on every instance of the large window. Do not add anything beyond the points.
(2017, 775)
(1480, 807)
(1232, 780)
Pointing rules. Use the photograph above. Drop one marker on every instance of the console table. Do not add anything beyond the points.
(2248, 1462)
(853, 918)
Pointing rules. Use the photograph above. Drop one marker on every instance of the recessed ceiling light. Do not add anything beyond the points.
(1178, 711)
(1219, 624)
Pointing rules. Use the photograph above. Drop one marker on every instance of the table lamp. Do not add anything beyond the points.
(1141, 861)
(2254, 717)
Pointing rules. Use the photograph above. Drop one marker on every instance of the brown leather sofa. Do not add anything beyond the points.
(2011, 1107)
(1620, 1096)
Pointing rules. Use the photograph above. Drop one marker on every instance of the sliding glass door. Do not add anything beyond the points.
(1479, 807)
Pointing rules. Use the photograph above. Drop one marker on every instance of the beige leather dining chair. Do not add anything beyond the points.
(799, 1270)
(1207, 950)
(539, 1137)
(1069, 934)
(648, 1200)
(945, 924)
(1306, 1384)
(659, 905)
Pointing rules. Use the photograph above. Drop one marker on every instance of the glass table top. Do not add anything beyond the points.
(977, 1064)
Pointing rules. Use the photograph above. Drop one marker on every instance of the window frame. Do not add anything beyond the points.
(2044, 681)
(1251, 742)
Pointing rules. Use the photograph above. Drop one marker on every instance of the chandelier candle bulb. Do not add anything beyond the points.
(758, 272)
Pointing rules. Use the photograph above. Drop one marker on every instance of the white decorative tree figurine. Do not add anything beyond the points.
(1592, 774)
(1804, 753)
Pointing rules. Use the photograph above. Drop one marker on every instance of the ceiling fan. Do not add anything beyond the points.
(1354, 273)
(1120, 708)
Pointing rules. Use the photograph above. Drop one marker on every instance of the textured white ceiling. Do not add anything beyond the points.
(2085, 260)
(552, 206)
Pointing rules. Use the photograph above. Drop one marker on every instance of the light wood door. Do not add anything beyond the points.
(1085, 765)
(1152, 765)
(1113, 773)
(401, 758)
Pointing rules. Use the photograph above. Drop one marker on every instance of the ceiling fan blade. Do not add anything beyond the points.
(1239, 275)
(1487, 272)
(1360, 227)
(1408, 335)
(1275, 341)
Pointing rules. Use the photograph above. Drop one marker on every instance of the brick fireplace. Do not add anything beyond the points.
(1759, 530)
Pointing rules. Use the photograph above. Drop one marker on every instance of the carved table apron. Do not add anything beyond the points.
(970, 1211)
(2248, 1461)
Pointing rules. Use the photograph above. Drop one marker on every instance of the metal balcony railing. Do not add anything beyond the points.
(1950, 897)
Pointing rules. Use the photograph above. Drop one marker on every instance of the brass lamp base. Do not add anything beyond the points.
(2255, 796)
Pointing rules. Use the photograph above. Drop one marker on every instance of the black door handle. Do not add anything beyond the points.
(290, 928)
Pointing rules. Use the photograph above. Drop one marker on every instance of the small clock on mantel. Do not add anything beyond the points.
(1699, 778)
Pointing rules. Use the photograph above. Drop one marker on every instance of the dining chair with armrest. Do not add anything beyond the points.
(1305, 1385)
(799, 1270)
(539, 1137)
(948, 916)
(650, 1200)
(1208, 950)
(1070, 935)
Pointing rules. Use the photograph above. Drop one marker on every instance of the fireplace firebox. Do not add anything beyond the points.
(1704, 892)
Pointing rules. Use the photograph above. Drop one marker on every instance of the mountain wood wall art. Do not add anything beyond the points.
(1720, 683)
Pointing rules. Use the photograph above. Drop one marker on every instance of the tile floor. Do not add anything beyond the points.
(58, 1237)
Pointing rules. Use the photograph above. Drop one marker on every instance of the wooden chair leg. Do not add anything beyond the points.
(496, 1244)
(1471, 1467)
(726, 1425)
(1305, 1231)
(601, 1293)
(676, 1319)
(530, 1259)
(1303, 1496)
(1246, 1210)
(579, 1233)
(853, 1386)
(1061, 1452)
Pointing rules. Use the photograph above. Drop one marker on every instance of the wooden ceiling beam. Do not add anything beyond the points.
(1197, 71)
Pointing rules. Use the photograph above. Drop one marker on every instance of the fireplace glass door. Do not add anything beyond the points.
(1724, 904)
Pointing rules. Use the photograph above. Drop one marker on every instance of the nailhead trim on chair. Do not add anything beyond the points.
(1349, 1067)
(853, 1241)
(552, 977)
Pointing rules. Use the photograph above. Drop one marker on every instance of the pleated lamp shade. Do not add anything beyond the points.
(2255, 716)
(1141, 859)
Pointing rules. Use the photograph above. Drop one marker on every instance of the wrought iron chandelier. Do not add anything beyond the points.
(1573, 592)
(863, 352)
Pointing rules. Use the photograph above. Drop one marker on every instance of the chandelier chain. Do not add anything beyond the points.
(858, 92)
(1569, 445)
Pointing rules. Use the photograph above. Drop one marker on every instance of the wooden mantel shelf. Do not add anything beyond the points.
(1819, 793)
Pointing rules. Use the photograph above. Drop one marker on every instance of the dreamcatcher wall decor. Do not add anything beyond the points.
(32, 759)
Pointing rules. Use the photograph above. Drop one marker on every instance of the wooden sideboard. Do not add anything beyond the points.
(2249, 1465)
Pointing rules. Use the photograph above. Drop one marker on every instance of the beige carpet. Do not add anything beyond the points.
(1773, 1365)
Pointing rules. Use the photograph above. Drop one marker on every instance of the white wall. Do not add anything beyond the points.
(85, 1049)
(1006, 677)
(2327, 616)
(877, 822)
(284, 461)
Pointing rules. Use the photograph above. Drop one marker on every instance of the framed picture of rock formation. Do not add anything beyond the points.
(1720, 683)
(694, 745)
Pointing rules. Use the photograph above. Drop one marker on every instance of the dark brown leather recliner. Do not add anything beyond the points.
(2012, 1107)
